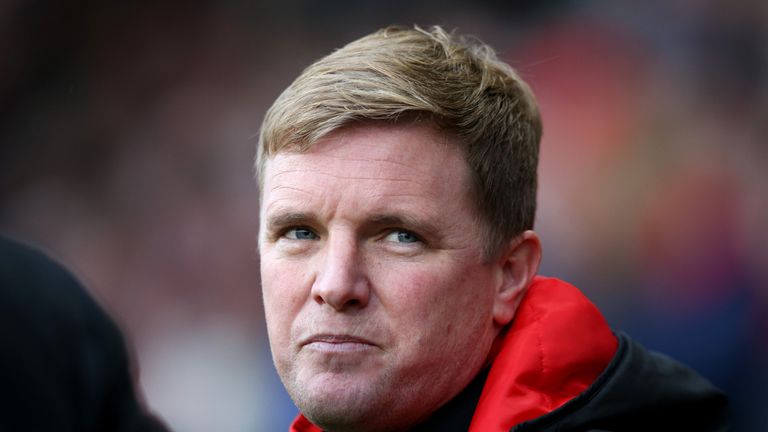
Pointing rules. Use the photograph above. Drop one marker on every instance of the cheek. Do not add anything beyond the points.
(438, 300)
(283, 294)
(443, 322)
(408, 290)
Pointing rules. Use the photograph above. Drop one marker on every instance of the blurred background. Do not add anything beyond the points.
(127, 133)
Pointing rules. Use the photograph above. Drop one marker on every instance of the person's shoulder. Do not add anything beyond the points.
(36, 286)
(64, 360)
(661, 391)
(24, 265)
(641, 390)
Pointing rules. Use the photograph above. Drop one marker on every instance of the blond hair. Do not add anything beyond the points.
(397, 74)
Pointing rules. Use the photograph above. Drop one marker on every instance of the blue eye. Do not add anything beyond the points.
(402, 237)
(300, 234)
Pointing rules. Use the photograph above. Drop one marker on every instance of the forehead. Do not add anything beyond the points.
(374, 167)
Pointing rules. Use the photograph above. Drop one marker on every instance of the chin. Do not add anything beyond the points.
(338, 412)
(344, 406)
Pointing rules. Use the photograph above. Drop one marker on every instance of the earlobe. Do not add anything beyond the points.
(518, 266)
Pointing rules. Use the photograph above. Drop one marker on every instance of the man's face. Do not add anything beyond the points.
(378, 301)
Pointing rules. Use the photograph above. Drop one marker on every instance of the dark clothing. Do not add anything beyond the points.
(561, 369)
(640, 391)
(456, 415)
(64, 365)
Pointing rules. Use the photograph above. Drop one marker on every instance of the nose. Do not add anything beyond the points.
(341, 282)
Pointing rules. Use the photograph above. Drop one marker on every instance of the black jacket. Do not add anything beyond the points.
(559, 338)
(640, 391)
(63, 362)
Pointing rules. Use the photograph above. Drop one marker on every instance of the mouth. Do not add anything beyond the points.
(337, 343)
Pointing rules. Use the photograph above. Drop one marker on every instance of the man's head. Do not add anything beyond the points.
(398, 180)
(397, 75)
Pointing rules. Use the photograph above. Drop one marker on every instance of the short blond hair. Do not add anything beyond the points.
(398, 74)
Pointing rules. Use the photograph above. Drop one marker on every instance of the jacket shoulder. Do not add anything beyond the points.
(640, 390)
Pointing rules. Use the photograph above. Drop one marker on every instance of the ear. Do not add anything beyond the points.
(518, 264)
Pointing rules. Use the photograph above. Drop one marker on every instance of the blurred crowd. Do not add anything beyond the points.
(127, 135)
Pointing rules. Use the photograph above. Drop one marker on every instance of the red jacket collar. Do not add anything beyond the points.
(556, 347)
(301, 424)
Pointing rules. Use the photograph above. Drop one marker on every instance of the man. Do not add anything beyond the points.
(64, 365)
(398, 261)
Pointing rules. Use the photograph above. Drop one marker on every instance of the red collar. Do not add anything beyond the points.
(556, 347)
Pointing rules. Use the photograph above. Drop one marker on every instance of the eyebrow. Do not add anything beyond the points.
(280, 220)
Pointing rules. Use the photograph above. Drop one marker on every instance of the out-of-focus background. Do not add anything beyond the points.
(127, 133)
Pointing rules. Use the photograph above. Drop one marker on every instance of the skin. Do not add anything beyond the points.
(379, 304)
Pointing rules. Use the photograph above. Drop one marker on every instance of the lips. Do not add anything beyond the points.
(337, 343)
(336, 339)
